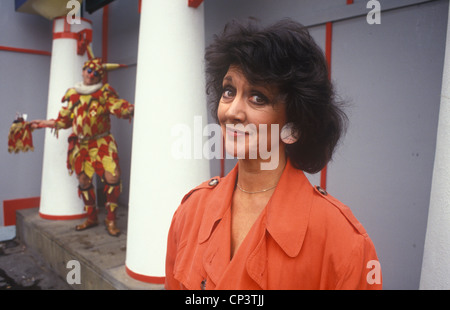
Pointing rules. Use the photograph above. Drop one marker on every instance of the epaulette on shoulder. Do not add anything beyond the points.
(345, 210)
(210, 184)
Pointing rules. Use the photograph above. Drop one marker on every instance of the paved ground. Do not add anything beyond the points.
(20, 269)
(101, 257)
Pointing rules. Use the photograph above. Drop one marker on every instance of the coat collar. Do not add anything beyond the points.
(219, 200)
(287, 211)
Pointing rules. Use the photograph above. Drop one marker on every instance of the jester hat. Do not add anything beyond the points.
(97, 65)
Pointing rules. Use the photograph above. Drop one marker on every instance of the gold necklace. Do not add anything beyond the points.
(261, 191)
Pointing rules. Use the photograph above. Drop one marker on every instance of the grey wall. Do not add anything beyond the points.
(23, 88)
(122, 48)
(391, 74)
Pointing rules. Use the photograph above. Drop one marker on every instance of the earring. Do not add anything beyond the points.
(289, 134)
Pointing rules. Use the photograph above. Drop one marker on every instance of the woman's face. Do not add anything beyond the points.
(251, 116)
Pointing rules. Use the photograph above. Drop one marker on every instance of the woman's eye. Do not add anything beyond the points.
(227, 93)
(89, 70)
(258, 99)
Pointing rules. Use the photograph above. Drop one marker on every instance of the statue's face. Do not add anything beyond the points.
(91, 77)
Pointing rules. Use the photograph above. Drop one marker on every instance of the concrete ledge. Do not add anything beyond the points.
(101, 257)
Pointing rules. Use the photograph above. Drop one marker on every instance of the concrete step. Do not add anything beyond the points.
(101, 257)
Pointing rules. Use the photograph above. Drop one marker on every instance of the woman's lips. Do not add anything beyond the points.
(231, 131)
(234, 133)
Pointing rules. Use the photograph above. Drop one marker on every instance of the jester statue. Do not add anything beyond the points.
(92, 148)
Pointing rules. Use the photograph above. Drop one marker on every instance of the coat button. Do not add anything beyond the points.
(203, 285)
(213, 182)
(321, 190)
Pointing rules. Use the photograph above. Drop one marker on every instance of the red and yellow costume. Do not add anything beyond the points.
(92, 148)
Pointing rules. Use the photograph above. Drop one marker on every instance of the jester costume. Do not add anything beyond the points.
(92, 148)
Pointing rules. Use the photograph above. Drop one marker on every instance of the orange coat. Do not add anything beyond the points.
(303, 239)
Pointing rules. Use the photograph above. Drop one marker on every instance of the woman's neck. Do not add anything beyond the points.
(252, 178)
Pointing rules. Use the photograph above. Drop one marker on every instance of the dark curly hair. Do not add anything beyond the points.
(283, 54)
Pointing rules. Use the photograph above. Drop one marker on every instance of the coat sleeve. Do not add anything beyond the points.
(172, 248)
(174, 242)
(362, 270)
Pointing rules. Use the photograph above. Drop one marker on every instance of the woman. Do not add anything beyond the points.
(269, 228)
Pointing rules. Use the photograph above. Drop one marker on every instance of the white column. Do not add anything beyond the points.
(436, 258)
(59, 194)
(170, 94)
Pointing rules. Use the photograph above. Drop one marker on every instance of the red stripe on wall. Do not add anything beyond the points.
(10, 207)
(24, 50)
(323, 178)
(222, 160)
(105, 39)
(328, 45)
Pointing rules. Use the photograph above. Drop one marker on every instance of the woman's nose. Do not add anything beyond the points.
(236, 110)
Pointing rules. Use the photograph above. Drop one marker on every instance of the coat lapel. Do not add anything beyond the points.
(289, 209)
(286, 220)
(257, 264)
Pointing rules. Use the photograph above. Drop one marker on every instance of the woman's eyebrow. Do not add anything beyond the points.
(228, 78)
